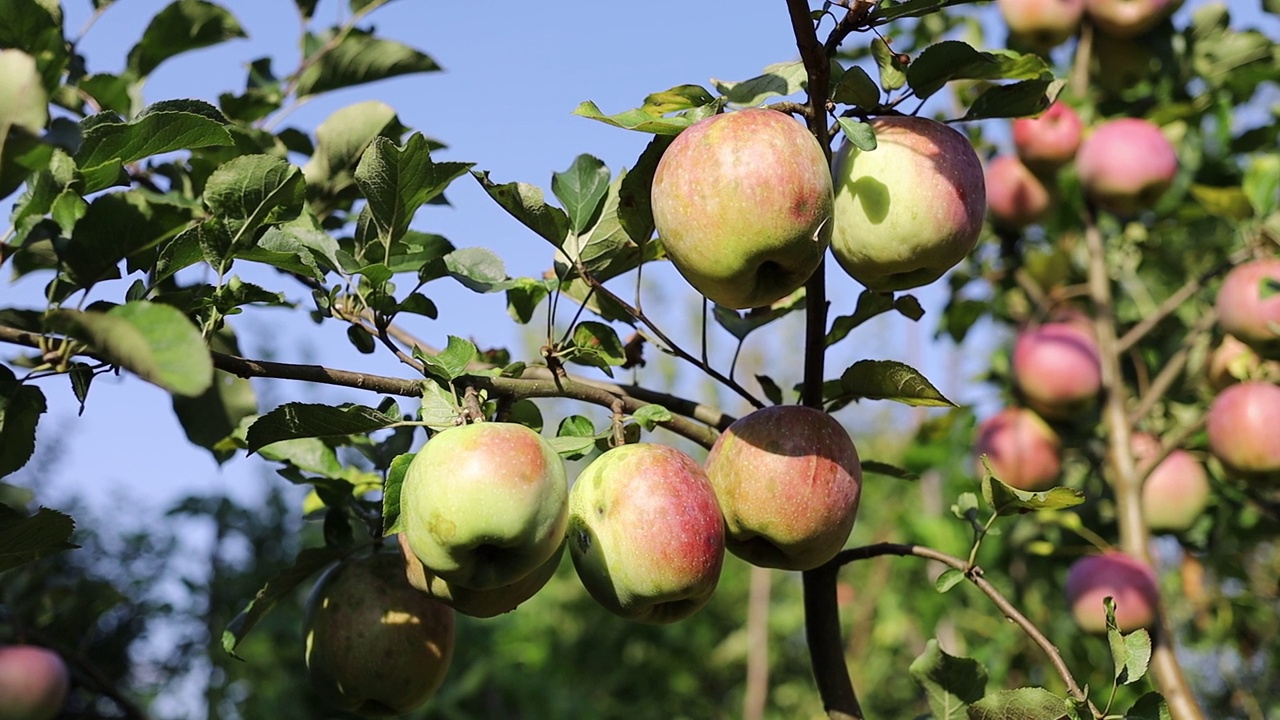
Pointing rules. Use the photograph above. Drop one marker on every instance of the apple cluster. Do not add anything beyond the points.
(486, 514)
(33, 682)
(1045, 24)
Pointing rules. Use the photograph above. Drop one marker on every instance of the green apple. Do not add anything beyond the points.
(645, 533)
(909, 210)
(477, 603)
(742, 202)
(788, 480)
(484, 505)
(33, 682)
(374, 645)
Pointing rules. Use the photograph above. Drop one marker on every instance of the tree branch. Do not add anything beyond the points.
(1174, 301)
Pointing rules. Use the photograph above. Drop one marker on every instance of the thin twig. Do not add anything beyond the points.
(1174, 301)
(1172, 370)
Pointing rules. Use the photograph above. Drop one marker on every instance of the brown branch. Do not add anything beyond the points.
(756, 695)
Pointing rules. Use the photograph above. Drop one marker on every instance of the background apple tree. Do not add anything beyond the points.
(1108, 315)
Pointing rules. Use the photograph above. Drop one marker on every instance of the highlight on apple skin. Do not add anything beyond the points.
(1248, 305)
(1128, 18)
(910, 210)
(1023, 451)
(788, 480)
(1050, 141)
(33, 682)
(646, 534)
(1057, 369)
(1242, 428)
(1176, 491)
(484, 505)
(477, 603)
(1126, 165)
(1016, 198)
(375, 646)
(1043, 24)
(1129, 581)
(743, 204)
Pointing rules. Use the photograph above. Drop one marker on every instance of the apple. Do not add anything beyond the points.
(1127, 18)
(742, 202)
(909, 210)
(788, 480)
(1043, 24)
(477, 603)
(1233, 361)
(1126, 164)
(1057, 369)
(1050, 141)
(484, 505)
(33, 682)
(1015, 197)
(1130, 582)
(1248, 305)
(374, 645)
(1176, 491)
(1242, 425)
(645, 533)
(1023, 451)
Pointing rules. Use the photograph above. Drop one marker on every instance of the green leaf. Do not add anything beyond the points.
(891, 380)
(1150, 706)
(309, 562)
(870, 304)
(951, 683)
(155, 342)
(635, 211)
(306, 8)
(859, 134)
(525, 203)
(450, 363)
(649, 416)
(893, 72)
(644, 120)
(770, 388)
(1020, 704)
(950, 60)
(398, 181)
(966, 506)
(253, 191)
(342, 139)
(580, 189)
(1130, 653)
(212, 417)
(161, 128)
(113, 227)
(856, 87)
(478, 269)
(893, 471)
(361, 58)
(23, 100)
(596, 345)
(21, 406)
(183, 26)
(680, 97)
(1262, 183)
(439, 409)
(1006, 500)
(299, 420)
(740, 324)
(1020, 99)
(909, 307)
(947, 580)
(25, 539)
(35, 28)
(391, 494)
(779, 79)
(524, 296)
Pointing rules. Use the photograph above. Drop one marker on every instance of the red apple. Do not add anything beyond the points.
(1057, 369)
(1015, 196)
(1244, 428)
(1023, 451)
(33, 682)
(1176, 491)
(1131, 583)
(645, 533)
(1050, 141)
(788, 479)
(1125, 165)
(742, 202)
(1233, 361)
(909, 210)
(1043, 24)
(1248, 305)
(1127, 18)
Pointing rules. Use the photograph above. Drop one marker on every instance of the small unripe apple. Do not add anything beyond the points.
(645, 533)
(374, 645)
(1130, 582)
(1023, 451)
(742, 202)
(33, 682)
(1126, 164)
(484, 505)
(788, 480)
(477, 603)
(1176, 491)
(1050, 141)
(1233, 361)
(1243, 428)
(1057, 369)
(1015, 196)
(1248, 305)
(1043, 24)
(911, 209)
(1127, 18)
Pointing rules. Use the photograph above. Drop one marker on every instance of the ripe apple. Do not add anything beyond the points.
(1126, 164)
(1127, 580)
(1015, 196)
(1248, 305)
(484, 505)
(788, 480)
(1242, 425)
(1050, 141)
(1176, 491)
(742, 202)
(1057, 369)
(33, 682)
(1023, 451)
(1043, 24)
(909, 210)
(645, 533)
(1233, 361)
(477, 603)
(374, 645)
(1128, 18)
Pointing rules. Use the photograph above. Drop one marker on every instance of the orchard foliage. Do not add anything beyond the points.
(1092, 287)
